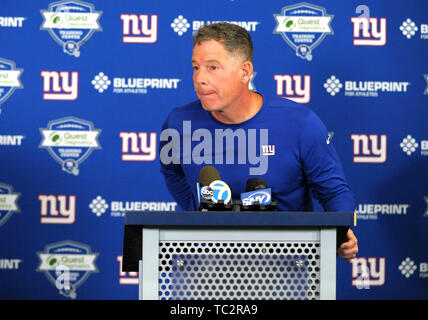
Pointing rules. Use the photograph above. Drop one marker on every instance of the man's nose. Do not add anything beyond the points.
(200, 77)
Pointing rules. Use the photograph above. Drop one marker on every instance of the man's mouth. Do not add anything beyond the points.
(206, 93)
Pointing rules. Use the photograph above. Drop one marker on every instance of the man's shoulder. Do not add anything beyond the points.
(189, 111)
(292, 113)
(188, 108)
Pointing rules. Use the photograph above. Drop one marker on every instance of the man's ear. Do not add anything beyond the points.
(246, 71)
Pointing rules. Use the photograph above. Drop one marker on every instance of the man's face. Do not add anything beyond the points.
(216, 75)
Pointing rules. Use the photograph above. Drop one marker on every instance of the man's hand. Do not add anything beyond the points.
(349, 249)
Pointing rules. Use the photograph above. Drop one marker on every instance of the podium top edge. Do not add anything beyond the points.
(243, 219)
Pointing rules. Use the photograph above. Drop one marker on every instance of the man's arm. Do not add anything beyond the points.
(174, 176)
(178, 186)
(325, 176)
(323, 169)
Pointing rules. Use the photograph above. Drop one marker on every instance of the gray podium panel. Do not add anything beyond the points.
(215, 263)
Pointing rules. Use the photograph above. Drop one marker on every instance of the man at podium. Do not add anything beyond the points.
(245, 134)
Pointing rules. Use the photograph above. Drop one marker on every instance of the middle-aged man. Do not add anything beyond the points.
(301, 160)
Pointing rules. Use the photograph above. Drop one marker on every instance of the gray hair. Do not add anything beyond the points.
(234, 38)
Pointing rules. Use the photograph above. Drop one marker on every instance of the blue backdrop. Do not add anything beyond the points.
(86, 86)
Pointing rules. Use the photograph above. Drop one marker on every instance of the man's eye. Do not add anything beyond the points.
(195, 68)
(213, 67)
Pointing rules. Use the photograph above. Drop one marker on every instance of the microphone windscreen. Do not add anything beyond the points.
(255, 184)
(207, 175)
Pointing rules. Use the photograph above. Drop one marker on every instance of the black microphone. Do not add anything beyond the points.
(257, 196)
(255, 184)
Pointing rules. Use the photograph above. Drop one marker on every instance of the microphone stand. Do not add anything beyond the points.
(237, 206)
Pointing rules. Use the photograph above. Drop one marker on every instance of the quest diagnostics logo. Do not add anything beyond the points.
(71, 23)
(70, 141)
(67, 265)
(8, 202)
(9, 79)
(303, 27)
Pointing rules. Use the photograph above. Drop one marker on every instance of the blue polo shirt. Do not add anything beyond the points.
(291, 144)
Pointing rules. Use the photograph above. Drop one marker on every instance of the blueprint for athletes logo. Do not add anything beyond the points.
(99, 206)
(132, 85)
(8, 202)
(303, 27)
(71, 24)
(70, 141)
(9, 79)
(67, 265)
(180, 25)
(358, 88)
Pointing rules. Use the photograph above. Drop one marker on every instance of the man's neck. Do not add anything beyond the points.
(242, 110)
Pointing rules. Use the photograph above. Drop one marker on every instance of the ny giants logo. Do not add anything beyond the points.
(126, 277)
(367, 148)
(369, 31)
(367, 272)
(291, 87)
(136, 146)
(61, 85)
(54, 209)
(268, 150)
(137, 29)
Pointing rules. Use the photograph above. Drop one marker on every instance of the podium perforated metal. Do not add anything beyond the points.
(236, 255)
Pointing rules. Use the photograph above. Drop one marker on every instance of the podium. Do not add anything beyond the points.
(234, 255)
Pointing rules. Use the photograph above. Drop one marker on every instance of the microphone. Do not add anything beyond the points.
(255, 184)
(207, 175)
(213, 193)
(258, 197)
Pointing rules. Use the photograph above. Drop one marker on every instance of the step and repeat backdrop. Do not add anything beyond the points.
(85, 87)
